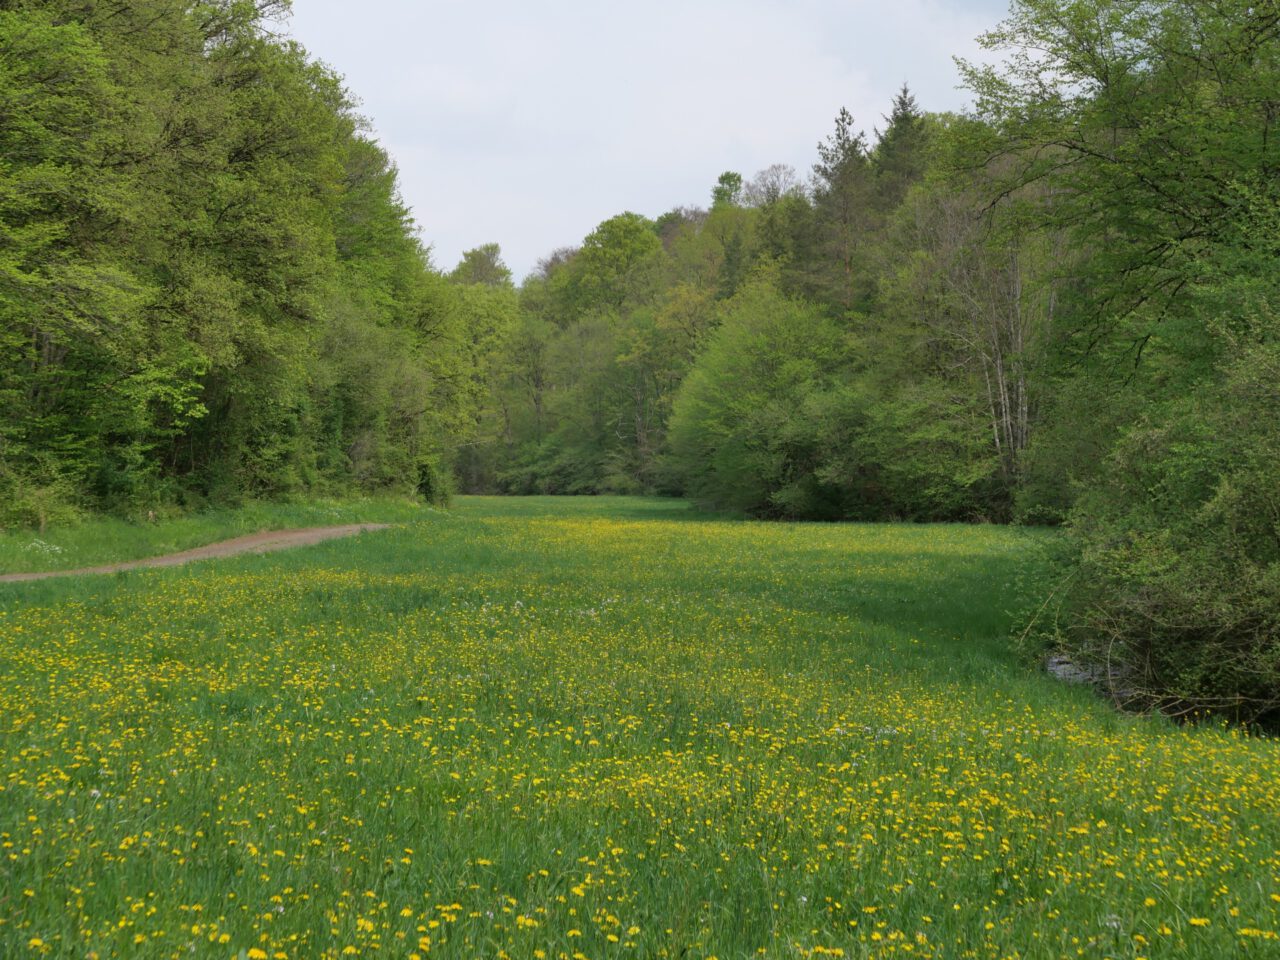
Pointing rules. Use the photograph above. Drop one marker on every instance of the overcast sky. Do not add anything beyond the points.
(527, 123)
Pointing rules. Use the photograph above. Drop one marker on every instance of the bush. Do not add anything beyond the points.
(435, 483)
(1177, 587)
(38, 500)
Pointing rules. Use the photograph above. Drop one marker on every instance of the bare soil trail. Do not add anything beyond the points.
(265, 542)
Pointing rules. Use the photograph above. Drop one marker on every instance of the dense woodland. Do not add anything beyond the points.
(209, 287)
(1058, 308)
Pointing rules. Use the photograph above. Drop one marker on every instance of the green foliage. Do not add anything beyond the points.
(1178, 542)
(1141, 140)
(786, 415)
(1156, 155)
(209, 287)
(843, 218)
(482, 265)
(615, 265)
(1179, 571)
(728, 190)
(901, 151)
(631, 365)
(746, 428)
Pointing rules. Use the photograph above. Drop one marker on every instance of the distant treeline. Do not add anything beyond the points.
(209, 287)
(1059, 308)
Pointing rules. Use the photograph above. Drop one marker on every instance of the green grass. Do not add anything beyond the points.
(105, 540)
(602, 728)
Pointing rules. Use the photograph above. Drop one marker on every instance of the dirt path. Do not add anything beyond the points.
(253, 543)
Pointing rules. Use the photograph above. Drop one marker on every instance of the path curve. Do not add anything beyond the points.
(265, 542)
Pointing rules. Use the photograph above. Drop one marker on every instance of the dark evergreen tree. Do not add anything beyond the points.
(842, 199)
(899, 154)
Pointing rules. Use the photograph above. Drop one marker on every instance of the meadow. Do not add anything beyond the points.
(570, 729)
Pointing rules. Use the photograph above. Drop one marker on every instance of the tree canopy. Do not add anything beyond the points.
(209, 286)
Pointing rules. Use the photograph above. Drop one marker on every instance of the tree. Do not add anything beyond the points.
(1147, 129)
(728, 190)
(209, 286)
(1142, 119)
(772, 184)
(482, 265)
(842, 191)
(900, 151)
(981, 286)
(614, 265)
(740, 437)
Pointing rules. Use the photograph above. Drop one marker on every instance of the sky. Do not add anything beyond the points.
(528, 123)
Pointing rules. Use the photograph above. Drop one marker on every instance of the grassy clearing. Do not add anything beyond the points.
(601, 728)
(112, 540)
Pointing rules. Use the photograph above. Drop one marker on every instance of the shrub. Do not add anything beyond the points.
(1177, 588)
